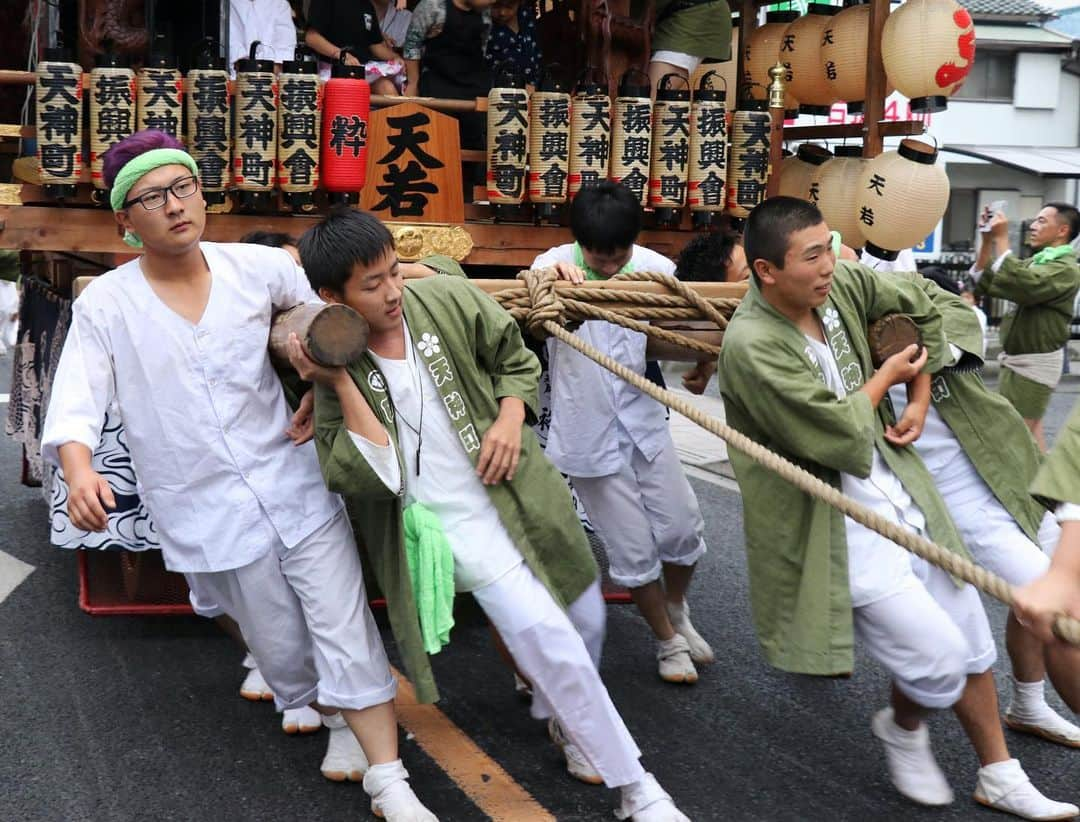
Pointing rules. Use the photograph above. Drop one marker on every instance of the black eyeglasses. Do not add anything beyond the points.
(155, 198)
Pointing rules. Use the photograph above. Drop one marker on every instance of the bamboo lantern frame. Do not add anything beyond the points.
(590, 134)
(58, 96)
(631, 135)
(112, 111)
(549, 149)
(670, 150)
(255, 132)
(748, 163)
(160, 96)
(508, 145)
(299, 132)
(209, 125)
(706, 187)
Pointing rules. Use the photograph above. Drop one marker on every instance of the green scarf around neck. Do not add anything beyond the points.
(1051, 253)
(579, 261)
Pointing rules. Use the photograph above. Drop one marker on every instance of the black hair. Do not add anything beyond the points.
(346, 237)
(274, 239)
(771, 224)
(605, 217)
(943, 278)
(1067, 214)
(705, 258)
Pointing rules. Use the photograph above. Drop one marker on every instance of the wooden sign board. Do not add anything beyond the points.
(414, 166)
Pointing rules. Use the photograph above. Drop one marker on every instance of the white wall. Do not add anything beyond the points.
(1003, 124)
(1037, 80)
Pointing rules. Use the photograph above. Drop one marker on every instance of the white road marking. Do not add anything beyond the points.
(12, 573)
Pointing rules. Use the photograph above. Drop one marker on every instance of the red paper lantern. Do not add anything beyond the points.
(346, 110)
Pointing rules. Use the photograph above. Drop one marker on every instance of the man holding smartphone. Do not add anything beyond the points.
(1043, 287)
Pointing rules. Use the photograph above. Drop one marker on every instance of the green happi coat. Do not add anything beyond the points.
(482, 359)
(1058, 479)
(775, 394)
(988, 428)
(1044, 295)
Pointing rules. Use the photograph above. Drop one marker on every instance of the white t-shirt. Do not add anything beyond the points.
(268, 21)
(877, 567)
(447, 483)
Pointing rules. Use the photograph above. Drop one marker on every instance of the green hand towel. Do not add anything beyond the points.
(431, 569)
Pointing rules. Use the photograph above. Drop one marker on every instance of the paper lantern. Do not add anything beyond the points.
(209, 124)
(928, 47)
(255, 139)
(796, 172)
(835, 184)
(549, 147)
(670, 149)
(58, 104)
(802, 55)
(631, 133)
(160, 95)
(590, 134)
(112, 111)
(299, 128)
(508, 145)
(902, 195)
(707, 178)
(346, 110)
(843, 53)
(765, 47)
(748, 166)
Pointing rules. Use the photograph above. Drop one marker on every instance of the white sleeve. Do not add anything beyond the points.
(558, 254)
(1068, 511)
(83, 387)
(282, 45)
(288, 283)
(998, 262)
(382, 459)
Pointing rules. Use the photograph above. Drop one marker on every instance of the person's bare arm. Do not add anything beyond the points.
(900, 367)
(89, 493)
(910, 425)
(1057, 591)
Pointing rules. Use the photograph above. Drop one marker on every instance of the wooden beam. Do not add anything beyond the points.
(902, 128)
(710, 291)
(747, 23)
(876, 82)
(59, 228)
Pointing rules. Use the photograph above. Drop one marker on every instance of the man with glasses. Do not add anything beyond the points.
(178, 338)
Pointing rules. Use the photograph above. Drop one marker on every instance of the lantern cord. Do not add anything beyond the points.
(545, 312)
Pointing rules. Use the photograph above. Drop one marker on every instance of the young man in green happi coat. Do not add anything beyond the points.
(796, 376)
(983, 458)
(425, 439)
(1044, 289)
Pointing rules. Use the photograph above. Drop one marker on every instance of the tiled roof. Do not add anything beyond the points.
(1006, 7)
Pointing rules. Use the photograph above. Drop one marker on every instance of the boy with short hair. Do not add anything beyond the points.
(794, 372)
(178, 338)
(614, 443)
(425, 439)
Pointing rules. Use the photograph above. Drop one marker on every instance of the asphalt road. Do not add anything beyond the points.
(138, 718)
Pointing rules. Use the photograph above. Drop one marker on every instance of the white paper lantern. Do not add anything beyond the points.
(836, 184)
(764, 48)
(802, 55)
(902, 195)
(928, 47)
(796, 172)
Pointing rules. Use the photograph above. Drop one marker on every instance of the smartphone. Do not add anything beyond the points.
(988, 213)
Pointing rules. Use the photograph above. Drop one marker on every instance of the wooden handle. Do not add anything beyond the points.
(891, 335)
(332, 335)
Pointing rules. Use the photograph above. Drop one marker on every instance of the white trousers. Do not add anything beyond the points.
(930, 635)
(552, 655)
(304, 615)
(647, 515)
(998, 544)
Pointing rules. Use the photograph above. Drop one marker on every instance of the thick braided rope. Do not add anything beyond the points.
(1066, 628)
(683, 290)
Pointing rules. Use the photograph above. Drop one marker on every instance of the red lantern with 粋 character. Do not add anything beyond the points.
(928, 47)
(346, 109)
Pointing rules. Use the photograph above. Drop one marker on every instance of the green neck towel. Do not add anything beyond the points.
(836, 241)
(1054, 252)
(579, 261)
(431, 569)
